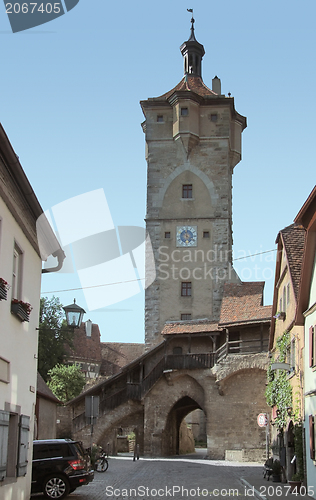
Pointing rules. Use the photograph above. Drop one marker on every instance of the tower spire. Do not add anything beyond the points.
(192, 37)
(192, 52)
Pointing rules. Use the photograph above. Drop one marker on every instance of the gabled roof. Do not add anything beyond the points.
(293, 238)
(42, 390)
(190, 327)
(307, 218)
(242, 304)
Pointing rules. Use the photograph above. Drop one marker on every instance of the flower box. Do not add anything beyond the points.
(4, 286)
(280, 315)
(3, 292)
(21, 309)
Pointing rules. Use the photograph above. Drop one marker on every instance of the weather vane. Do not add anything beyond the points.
(192, 19)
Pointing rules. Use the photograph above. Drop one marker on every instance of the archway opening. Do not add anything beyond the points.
(196, 421)
(178, 436)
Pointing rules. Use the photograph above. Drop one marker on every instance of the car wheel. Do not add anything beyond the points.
(56, 487)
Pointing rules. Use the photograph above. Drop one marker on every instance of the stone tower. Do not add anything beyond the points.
(193, 142)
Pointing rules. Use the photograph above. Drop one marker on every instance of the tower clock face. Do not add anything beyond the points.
(186, 236)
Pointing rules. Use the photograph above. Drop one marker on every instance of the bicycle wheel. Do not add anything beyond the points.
(104, 465)
(101, 465)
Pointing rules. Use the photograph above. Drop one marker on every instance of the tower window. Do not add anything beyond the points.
(214, 117)
(187, 191)
(160, 118)
(186, 316)
(167, 234)
(184, 112)
(206, 234)
(186, 289)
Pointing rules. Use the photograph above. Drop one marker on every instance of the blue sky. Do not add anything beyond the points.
(70, 107)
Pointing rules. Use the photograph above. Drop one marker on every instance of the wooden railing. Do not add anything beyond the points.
(189, 361)
(251, 346)
(152, 377)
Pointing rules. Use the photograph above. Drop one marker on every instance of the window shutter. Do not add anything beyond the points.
(24, 429)
(311, 346)
(4, 436)
(311, 436)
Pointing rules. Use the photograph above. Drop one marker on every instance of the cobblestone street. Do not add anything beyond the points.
(174, 478)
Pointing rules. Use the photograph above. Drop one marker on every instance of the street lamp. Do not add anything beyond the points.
(74, 314)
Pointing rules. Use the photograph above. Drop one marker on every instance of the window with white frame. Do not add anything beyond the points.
(280, 308)
(17, 272)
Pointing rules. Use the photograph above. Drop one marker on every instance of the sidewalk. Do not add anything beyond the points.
(260, 488)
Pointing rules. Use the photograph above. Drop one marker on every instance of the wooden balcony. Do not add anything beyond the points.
(247, 346)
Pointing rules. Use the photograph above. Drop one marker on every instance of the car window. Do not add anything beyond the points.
(80, 451)
(40, 451)
(51, 451)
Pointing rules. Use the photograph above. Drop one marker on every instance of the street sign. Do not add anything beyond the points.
(262, 420)
(92, 408)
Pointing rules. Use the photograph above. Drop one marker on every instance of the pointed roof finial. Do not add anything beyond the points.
(192, 37)
(192, 52)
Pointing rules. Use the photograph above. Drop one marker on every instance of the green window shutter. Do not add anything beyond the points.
(24, 431)
(4, 436)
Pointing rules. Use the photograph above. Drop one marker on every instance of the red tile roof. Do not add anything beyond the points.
(115, 355)
(86, 348)
(192, 327)
(190, 84)
(242, 303)
(293, 238)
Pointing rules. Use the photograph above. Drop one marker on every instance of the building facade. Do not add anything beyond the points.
(193, 142)
(286, 345)
(20, 277)
(21, 253)
(307, 317)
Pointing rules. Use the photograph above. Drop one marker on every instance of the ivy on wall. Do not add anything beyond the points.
(279, 390)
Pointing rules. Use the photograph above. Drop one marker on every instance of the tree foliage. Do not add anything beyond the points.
(66, 381)
(54, 335)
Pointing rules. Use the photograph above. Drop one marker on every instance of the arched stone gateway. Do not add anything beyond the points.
(154, 393)
(171, 435)
(182, 393)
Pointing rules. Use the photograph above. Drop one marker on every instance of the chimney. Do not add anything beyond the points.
(88, 326)
(216, 85)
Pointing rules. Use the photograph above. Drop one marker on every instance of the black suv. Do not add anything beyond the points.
(59, 467)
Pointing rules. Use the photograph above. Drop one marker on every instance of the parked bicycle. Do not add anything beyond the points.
(102, 463)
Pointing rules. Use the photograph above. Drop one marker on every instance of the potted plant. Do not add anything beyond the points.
(296, 482)
(276, 471)
(4, 287)
(21, 309)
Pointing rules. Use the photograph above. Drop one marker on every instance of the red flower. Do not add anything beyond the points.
(4, 284)
(26, 306)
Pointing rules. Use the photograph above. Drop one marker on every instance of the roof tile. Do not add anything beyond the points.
(243, 303)
(293, 238)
